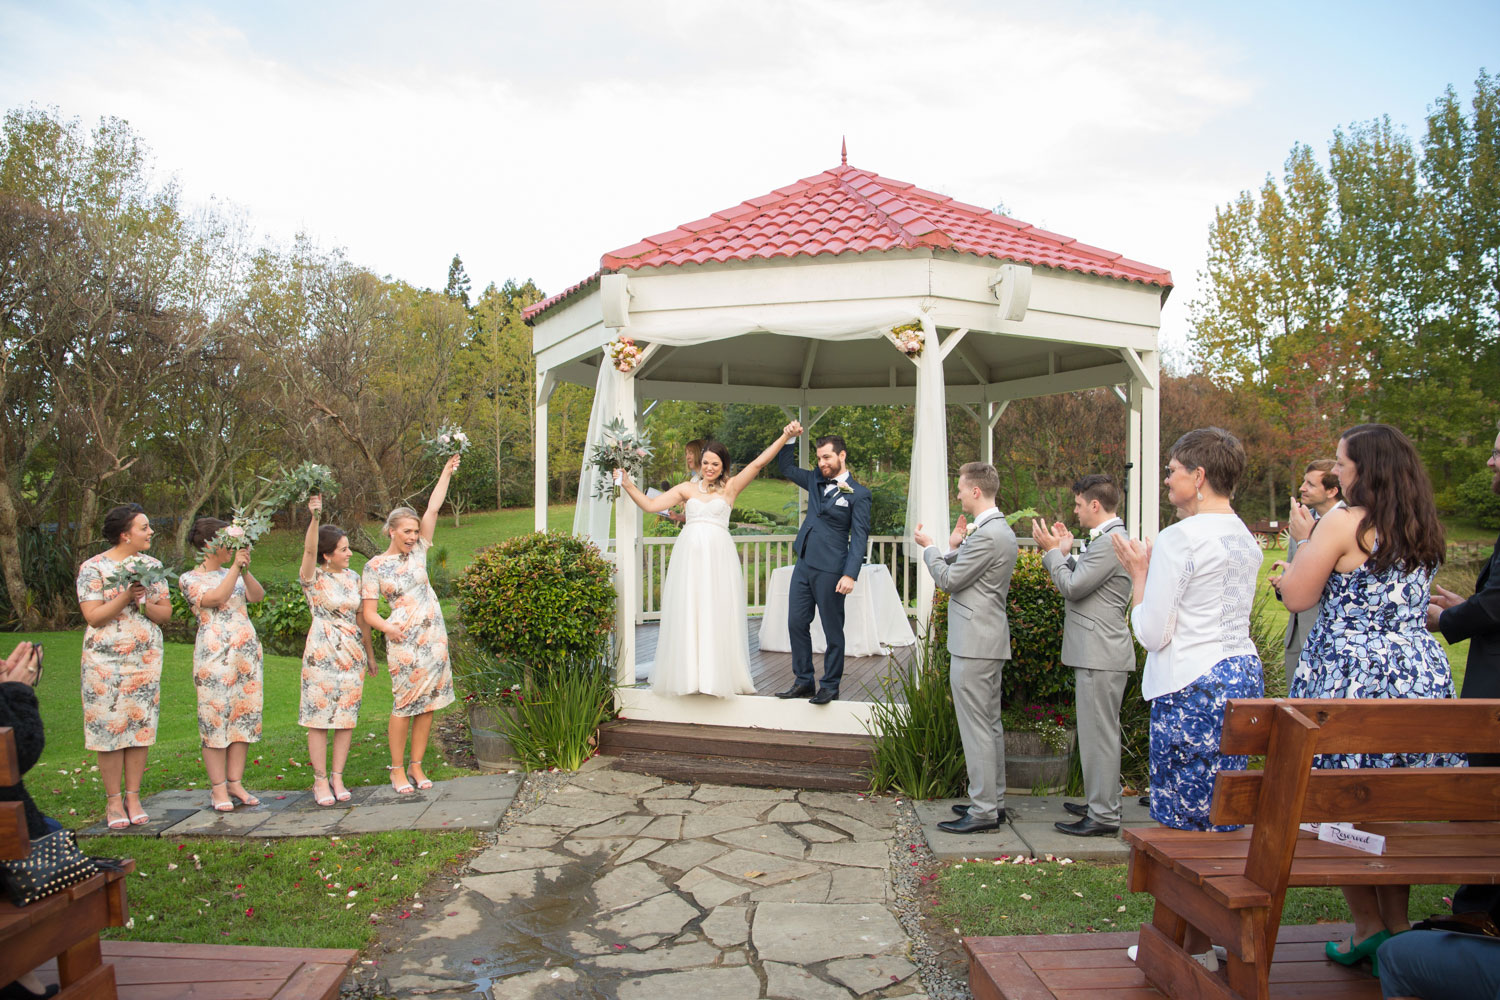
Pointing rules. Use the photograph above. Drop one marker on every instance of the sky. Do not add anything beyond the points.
(530, 138)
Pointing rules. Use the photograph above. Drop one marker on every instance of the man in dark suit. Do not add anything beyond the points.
(1478, 620)
(830, 548)
(1320, 492)
(1096, 644)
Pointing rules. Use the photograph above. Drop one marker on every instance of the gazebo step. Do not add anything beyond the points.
(725, 771)
(729, 755)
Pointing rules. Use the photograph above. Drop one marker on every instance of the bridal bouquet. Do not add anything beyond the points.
(620, 449)
(307, 480)
(909, 339)
(137, 570)
(623, 353)
(242, 532)
(449, 441)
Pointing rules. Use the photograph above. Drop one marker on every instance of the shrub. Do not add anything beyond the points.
(557, 713)
(540, 599)
(1477, 500)
(282, 619)
(439, 575)
(917, 749)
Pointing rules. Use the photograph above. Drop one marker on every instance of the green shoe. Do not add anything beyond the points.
(1356, 953)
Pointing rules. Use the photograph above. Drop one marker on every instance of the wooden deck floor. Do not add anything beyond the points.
(772, 672)
(151, 971)
(1095, 967)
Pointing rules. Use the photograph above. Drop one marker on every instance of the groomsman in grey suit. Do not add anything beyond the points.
(975, 572)
(1096, 644)
(1320, 492)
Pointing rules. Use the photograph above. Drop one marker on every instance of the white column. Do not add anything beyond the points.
(1151, 463)
(1133, 455)
(546, 382)
(627, 560)
(987, 434)
(804, 458)
(927, 495)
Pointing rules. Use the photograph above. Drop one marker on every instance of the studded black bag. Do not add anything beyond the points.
(55, 862)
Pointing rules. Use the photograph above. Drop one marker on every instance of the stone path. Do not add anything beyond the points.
(475, 803)
(619, 885)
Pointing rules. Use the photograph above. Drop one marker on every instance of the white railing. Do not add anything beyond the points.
(760, 555)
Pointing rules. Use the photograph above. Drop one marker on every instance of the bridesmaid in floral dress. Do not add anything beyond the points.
(121, 668)
(226, 661)
(338, 655)
(416, 636)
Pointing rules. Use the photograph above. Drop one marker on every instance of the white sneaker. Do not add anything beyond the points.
(1209, 959)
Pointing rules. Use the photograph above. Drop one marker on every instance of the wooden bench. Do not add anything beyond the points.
(147, 970)
(63, 927)
(1441, 825)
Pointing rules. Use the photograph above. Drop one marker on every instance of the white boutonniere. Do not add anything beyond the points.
(969, 529)
(845, 488)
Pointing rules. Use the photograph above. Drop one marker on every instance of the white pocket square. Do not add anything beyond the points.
(841, 502)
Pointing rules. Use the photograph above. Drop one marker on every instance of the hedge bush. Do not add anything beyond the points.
(541, 599)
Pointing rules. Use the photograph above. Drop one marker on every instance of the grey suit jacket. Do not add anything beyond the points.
(1096, 589)
(1299, 623)
(976, 576)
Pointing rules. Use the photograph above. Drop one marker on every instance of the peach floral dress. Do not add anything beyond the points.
(226, 663)
(421, 678)
(333, 662)
(121, 668)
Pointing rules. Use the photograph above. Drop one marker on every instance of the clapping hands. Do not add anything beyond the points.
(1134, 555)
(1056, 537)
(1442, 600)
(960, 532)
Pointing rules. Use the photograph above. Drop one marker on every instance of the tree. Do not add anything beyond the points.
(458, 282)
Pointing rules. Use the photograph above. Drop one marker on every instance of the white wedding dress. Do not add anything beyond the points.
(703, 647)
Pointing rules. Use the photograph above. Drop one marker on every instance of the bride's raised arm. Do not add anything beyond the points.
(652, 505)
(749, 472)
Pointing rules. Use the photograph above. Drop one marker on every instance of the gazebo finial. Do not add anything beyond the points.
(843, 150)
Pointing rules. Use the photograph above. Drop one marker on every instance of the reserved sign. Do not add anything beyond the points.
(1346, 835)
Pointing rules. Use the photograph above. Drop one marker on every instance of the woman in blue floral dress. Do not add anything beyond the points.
(1372, 565)
(1193, 590)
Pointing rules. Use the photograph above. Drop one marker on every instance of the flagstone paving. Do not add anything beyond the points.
(620, 885)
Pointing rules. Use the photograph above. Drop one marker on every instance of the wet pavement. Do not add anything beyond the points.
(619, 885)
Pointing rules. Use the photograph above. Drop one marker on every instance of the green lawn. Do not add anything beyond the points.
(982, 897)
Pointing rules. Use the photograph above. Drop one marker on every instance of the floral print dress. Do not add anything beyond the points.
(226, 663)
(333, 662)
(121, 668)
(421, 678)
(1370, 640)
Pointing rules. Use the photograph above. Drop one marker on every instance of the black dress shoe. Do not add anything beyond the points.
(1006, 815)
(824, 696)
(1145, 800)
(1086, 828)
(796, 691)
(1076, 808)
(969, 825)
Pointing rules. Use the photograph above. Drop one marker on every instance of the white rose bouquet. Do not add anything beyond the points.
(137, 570)
(450, 440)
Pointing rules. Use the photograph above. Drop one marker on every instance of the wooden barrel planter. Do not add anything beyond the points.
(492, 750)
(1031, 763)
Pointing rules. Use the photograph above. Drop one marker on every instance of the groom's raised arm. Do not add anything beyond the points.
(786, 461)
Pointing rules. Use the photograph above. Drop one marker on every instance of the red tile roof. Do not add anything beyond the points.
(848, 210)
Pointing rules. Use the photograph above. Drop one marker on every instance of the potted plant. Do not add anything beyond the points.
(491, 690)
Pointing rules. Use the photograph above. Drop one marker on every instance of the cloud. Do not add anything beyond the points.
(533, 138)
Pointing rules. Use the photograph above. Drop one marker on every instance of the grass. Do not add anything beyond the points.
(304, 893)
(986, 898)
(65, 782)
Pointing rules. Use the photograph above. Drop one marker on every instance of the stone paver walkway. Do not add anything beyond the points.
(624, 885)
(474, 803)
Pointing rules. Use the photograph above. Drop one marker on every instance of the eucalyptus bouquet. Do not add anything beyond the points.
(620, 449)
(137, 570)
(450, 440)
(243, 531)
(295, 487)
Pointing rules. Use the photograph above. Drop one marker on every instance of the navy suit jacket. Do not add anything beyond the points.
(834, 535)
(1478, 620)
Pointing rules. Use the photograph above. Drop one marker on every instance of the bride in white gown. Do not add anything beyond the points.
(703, 647)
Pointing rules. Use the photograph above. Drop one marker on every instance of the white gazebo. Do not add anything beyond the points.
(789, 299)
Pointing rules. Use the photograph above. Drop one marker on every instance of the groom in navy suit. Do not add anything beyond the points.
(830, 548)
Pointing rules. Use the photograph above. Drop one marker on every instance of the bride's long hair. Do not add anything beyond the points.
(715, 448)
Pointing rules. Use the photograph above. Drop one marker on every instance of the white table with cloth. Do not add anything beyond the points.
(874, 617)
